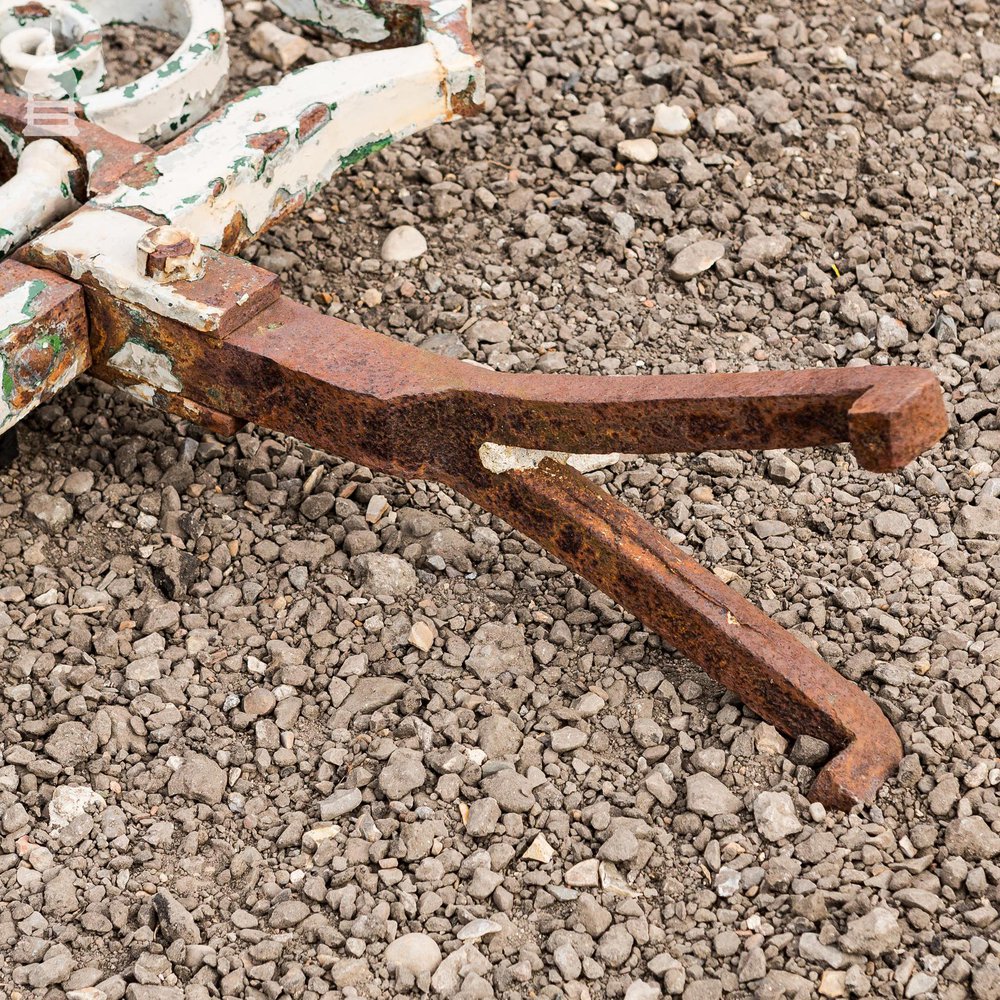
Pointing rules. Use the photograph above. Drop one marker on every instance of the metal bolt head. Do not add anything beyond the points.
(168, 254)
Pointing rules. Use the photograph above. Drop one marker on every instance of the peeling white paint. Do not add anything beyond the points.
(500, 458)
(353, 20)
(140, 361)
(372, 98)
(144, 393)
(100, 246)
(12, 142)
(178, 94)
(56, 57)
(16, 309)
(38, 195)
(6, 411)
(161, 104)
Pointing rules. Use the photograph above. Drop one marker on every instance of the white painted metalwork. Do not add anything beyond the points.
(53, 50)
(58, 56)
(38, 195)
(283, 143)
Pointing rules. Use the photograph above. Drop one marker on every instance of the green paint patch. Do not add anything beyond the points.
(69, 80)
(54, 342)
(170, 68)
(130, 90)
(364, 151)
(35, 289)
(7, 385)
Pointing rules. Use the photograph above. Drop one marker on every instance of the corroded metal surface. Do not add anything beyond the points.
(102, 157)
(385, 23)
(400, 410)
(729, 638)
(100, 249)
(135, 282)
(44, 342)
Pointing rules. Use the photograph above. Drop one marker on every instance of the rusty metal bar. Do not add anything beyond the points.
(147, 296)
(401, 410)
(731, 640)
(44, 338)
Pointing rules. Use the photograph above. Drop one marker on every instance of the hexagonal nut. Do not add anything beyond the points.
(167, 254)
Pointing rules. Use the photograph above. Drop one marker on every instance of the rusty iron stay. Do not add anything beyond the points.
(138, 286)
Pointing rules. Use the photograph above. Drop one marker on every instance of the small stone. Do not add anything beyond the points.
(499, 738)
(641, 990)
(940, 67)
(483, 817)
(971, 838)
(638, 150)
(287, 914)
(893, 524)
(479, 928)
(51, 514)
(418, 954)
(342, 802)
(833, 983)
(920, 984)
(707, 796)
(670, 119)
(422, 636)
(568, 739)
(696, 258)
(384, 574)
(981, 520)
(259, 702)
(621, 846)
(72, 743)
(891, 333)
(873, 934)
(584, 874)
(809, 751)
(623, 224)
(539, 850)
(199, 779)
(403, 773)
(70, 801)
(404, 243)
(176, 923)
(765, 250)
(769, 740)
(277, 46)
(783, 470)
(78, 483)
(377, 508)
(774, 814)
(512, 791)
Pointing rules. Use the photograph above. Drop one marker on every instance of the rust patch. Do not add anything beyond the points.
(32, 10)
(313, 119)
(269, 142)
(402, 411)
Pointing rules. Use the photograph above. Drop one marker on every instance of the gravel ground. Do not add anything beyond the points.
(273, 726)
